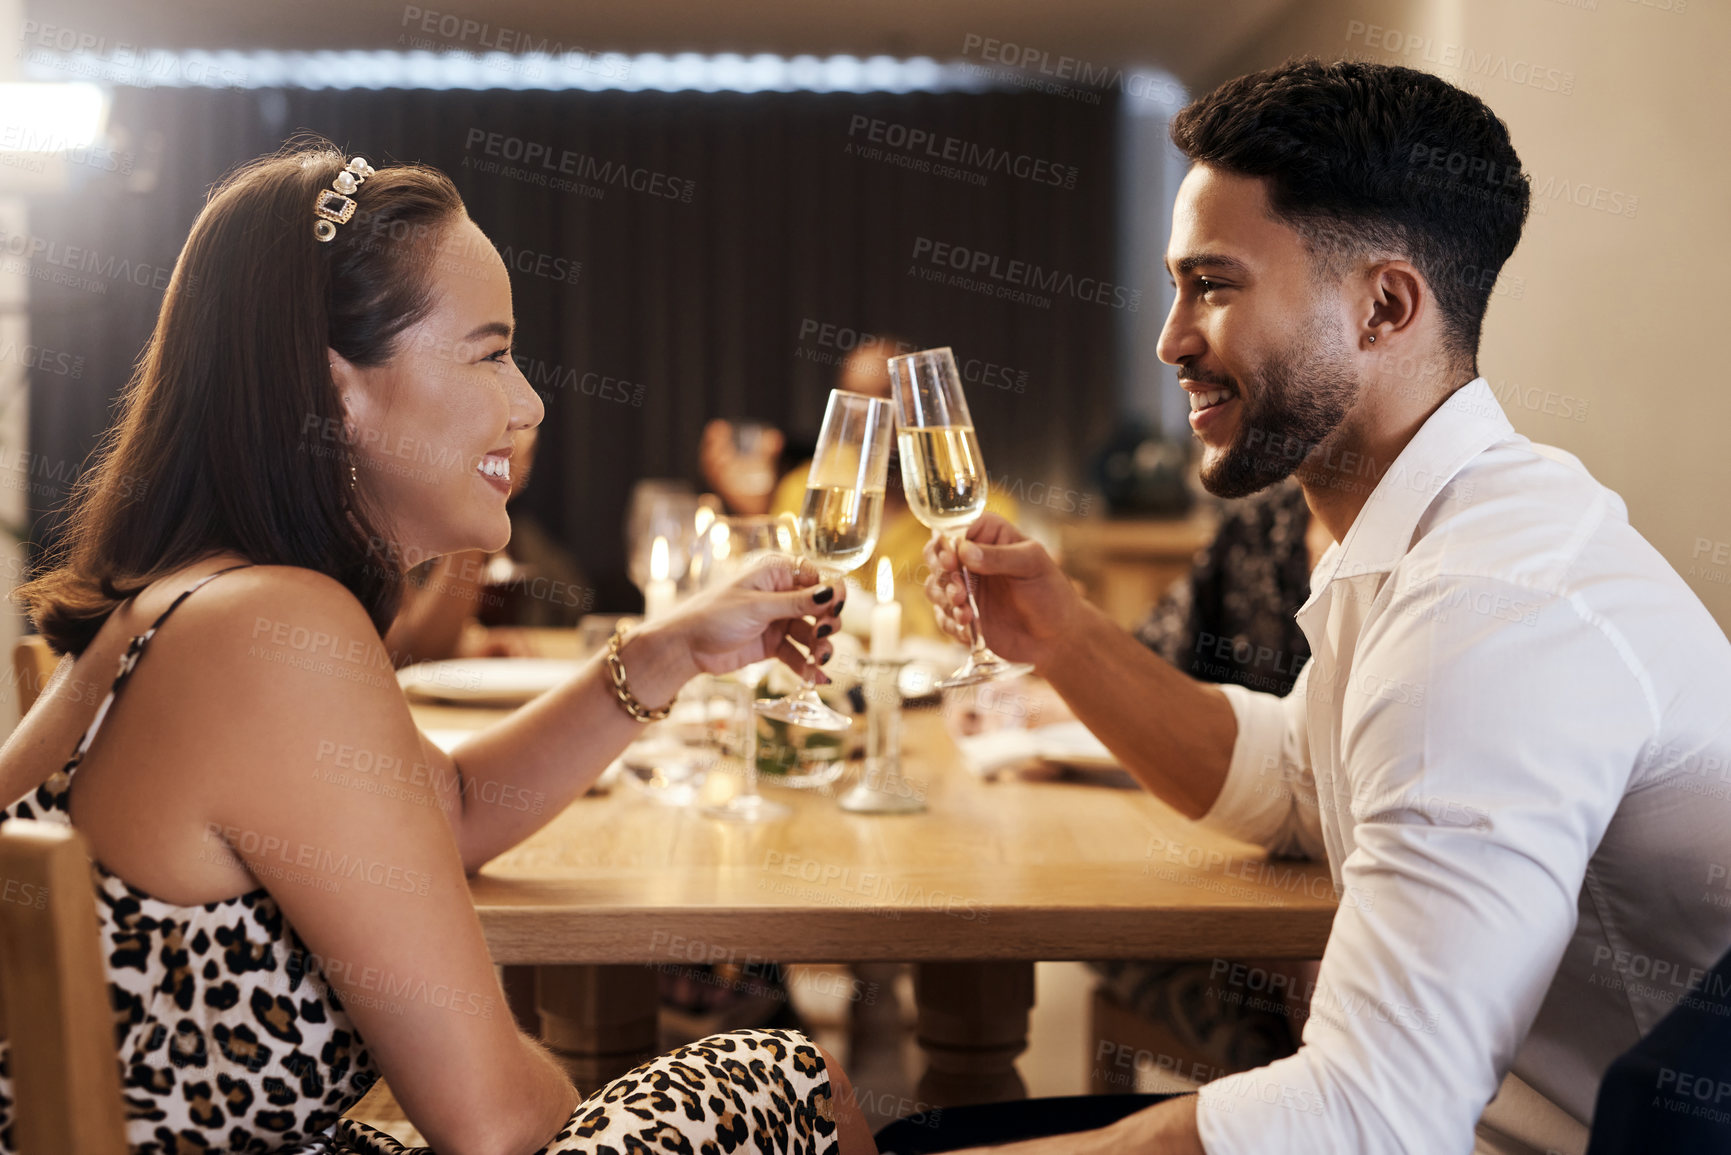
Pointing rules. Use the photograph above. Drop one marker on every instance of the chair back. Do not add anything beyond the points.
(54, 994)
(33, 664)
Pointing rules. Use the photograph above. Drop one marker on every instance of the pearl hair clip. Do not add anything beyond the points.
(334, 206)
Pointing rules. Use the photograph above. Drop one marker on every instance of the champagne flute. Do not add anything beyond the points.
(945, 480)
(840, 519)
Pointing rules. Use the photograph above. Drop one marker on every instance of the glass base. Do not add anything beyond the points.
(748, 808)
(667, 787)
(982, 667)
(821, 775)
(803, 709)
(863, 799)
(666, 769)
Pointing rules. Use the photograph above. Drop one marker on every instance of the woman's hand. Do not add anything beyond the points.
(759, 615)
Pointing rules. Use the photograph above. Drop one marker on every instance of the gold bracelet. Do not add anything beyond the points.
(627, 700)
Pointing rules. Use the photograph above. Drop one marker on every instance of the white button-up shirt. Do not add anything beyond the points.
(1513, 745)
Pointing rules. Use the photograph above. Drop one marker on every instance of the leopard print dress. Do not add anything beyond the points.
(230, 1040)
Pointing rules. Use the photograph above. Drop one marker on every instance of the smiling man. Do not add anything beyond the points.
(1512, 743)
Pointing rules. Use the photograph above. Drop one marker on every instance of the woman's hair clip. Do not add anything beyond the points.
(334, 206)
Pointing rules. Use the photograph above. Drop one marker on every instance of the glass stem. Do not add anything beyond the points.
(978, 640)
(750, 768)
(808, 691)
(748, 750)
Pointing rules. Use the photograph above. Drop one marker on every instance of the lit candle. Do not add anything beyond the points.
(856, 612)
(658, 596)
(886, 615)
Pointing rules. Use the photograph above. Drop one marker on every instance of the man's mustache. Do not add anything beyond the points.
(1191, 373)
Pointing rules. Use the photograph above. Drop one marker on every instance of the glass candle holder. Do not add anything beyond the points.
(882, 789)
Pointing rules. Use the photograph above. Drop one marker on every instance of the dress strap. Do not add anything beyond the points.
(134, 651)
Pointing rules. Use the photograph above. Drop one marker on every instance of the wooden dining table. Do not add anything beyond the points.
(992, 876)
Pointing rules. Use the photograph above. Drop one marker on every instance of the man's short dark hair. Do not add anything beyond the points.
(1368, 159)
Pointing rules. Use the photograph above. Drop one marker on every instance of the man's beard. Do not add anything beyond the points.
(1283, 420)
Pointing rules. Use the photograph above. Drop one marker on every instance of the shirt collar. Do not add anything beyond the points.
(1463, 426)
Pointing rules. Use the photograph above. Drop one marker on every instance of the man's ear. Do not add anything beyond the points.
(1397, 297)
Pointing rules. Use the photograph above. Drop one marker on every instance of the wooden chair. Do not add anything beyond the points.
(54, 1005)
(33, 663)
(1126, 1043)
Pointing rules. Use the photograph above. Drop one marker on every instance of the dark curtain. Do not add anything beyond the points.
(735, 296)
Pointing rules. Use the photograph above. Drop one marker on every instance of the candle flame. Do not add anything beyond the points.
(720, 541)
(886, 581)
(658, 559)
(705, 516)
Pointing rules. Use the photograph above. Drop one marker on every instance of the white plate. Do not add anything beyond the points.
(1073, 744)
(484, 681)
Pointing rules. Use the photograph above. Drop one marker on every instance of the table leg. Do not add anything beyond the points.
(973, 1022)
(600, 1021)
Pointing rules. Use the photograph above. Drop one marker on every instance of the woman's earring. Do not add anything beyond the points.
(1373, 338)
(352, 476)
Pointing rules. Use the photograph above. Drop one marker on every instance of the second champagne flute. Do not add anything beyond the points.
(945, 479)
(840, 519)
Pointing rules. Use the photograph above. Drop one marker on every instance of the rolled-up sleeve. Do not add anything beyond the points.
(1269, 798)
(1482, 760)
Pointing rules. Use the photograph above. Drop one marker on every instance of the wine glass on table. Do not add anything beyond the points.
(745, 542)
(659, 508)
(737, 738)
(839, 520)
(945, 480)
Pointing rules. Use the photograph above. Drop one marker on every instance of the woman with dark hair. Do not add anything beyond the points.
(327, 400)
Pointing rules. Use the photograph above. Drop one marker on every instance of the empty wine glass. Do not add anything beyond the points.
(839, 520)
(664, 508)
(730, 545)
(945, 479)
(738, 738)
(755, 476)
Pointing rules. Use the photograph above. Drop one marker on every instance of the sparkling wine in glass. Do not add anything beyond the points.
(839, 520)
(945, 479)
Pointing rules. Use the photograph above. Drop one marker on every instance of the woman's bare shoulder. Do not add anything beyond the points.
(254, 598)
(276, 634)
(291, 583)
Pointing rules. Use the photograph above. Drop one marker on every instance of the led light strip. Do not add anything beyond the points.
(650, 72)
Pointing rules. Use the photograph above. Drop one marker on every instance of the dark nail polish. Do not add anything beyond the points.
(824, 661)
(825, 630)
(823, 595)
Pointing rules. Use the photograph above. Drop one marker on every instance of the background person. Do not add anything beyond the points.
(449, 601)
(1232, 619)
